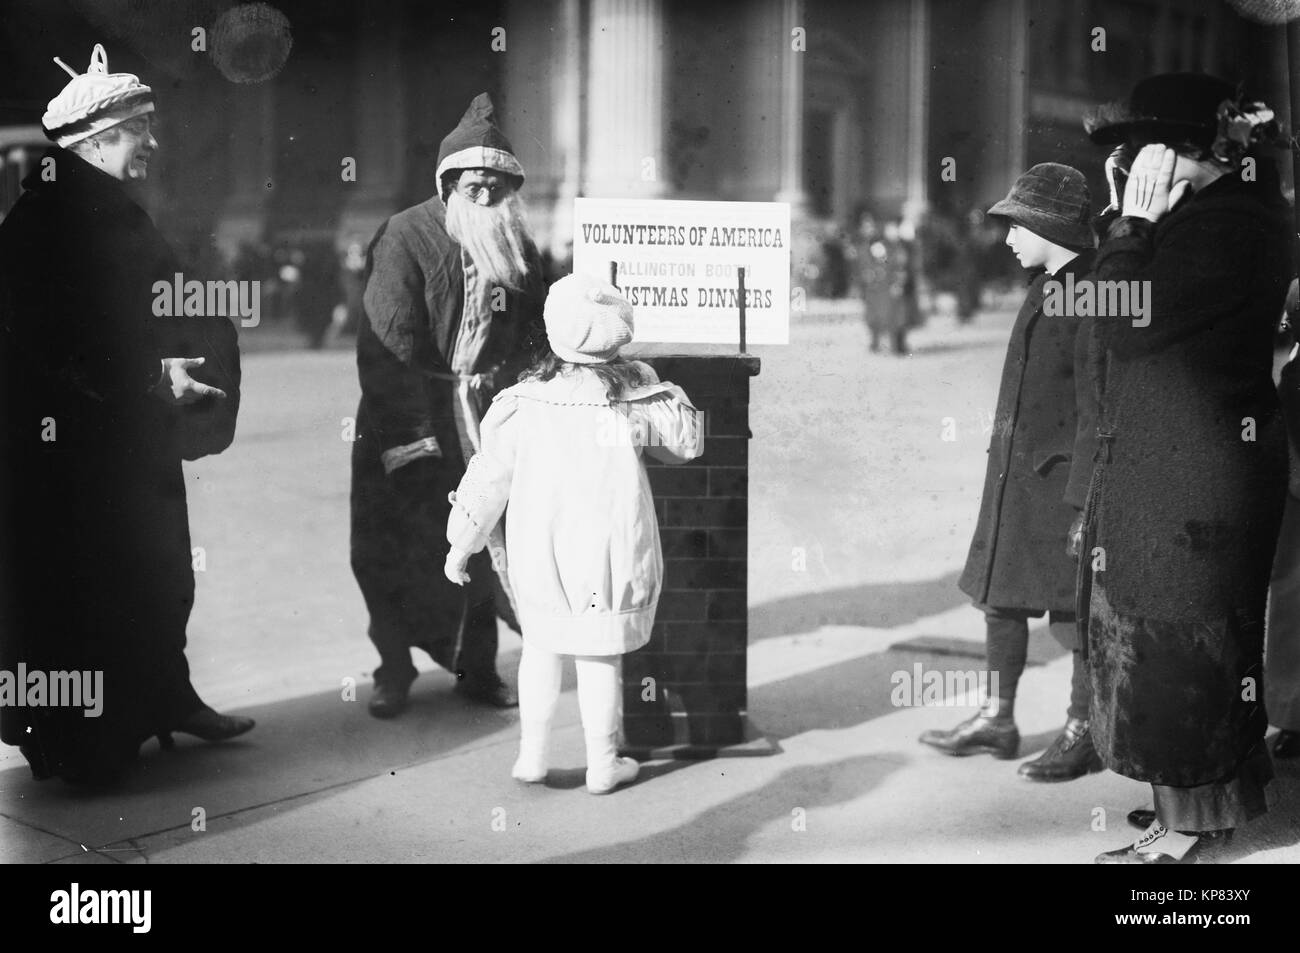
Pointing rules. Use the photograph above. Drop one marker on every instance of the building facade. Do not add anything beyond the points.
(831, 105)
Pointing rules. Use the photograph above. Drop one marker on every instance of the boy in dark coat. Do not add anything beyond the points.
(1018, 567)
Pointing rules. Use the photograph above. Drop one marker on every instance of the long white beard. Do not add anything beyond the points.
(496, 237)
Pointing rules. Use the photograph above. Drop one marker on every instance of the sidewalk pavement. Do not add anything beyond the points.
(320, 781)
(854, 472)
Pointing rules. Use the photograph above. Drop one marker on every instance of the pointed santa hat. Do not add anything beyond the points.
(476, 143)
(94, 101)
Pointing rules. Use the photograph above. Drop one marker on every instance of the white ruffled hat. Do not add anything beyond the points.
(94, 101)
(587, 320)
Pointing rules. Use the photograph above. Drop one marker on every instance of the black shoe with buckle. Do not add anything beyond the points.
(992, 731)
(1070, 756)
(488, 689)
(1206, 843)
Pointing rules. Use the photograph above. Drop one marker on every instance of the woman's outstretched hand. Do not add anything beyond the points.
(1151, 191)
(176, 385)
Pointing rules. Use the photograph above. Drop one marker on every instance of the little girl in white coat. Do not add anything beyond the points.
(563, 447)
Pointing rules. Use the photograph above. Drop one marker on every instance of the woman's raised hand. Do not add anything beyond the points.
(1151, 191)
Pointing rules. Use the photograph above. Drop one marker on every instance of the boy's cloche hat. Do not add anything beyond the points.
(1051, 200)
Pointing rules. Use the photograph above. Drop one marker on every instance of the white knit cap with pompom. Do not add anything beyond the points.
(95, 100)
(587, 320)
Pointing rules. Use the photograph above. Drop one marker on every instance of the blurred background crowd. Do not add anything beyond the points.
(903, 118)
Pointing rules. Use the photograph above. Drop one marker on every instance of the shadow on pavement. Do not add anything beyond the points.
(727, 828)
(300, 746)
(883, 605)
(851, 692)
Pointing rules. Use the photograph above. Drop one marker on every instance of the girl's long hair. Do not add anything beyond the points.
(619, 375)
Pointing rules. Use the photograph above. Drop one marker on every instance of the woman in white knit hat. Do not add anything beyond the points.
(95, 555)
(564, 447)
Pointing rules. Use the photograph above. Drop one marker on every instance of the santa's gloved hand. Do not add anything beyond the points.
(1074, 539)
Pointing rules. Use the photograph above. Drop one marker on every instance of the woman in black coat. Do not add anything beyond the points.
(1187, 499)
(98, 407)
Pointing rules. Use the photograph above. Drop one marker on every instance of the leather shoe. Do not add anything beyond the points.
(992, 730)
(388, 700)
(1206, 841)
(210, 726)
(1286, 744)
(1070, 756)
(1142, 818)
(488, 689)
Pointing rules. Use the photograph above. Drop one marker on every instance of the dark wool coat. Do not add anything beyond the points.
(1187, 501)
(1017, 558)
(414, 309)
(95, 563)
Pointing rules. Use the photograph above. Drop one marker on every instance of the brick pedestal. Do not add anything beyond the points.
(685, 690)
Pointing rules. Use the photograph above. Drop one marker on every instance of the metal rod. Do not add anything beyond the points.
(741, 273)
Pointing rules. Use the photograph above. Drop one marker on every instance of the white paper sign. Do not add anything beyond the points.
(677, 263)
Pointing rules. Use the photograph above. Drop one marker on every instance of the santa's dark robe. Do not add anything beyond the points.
(420, 331)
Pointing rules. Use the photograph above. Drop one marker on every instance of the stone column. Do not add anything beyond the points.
(379, 126)
(1000, 110)
(540, 111)
(915, 197)
(567, 126)
(896, 107)
(625, 100)
(1291, 65)
(792, 108)
(250, 156)
(768, 112)
(1017, 72)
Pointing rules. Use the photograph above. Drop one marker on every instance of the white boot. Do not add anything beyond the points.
(605, 770)
(599, 697)
(532, 763)
(621, 771)
(539, 691)
(529, 770)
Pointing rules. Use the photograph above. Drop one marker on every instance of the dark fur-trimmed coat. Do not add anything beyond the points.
(95, 557)
(1187, 501)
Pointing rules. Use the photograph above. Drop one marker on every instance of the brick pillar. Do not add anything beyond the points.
(696, 654)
